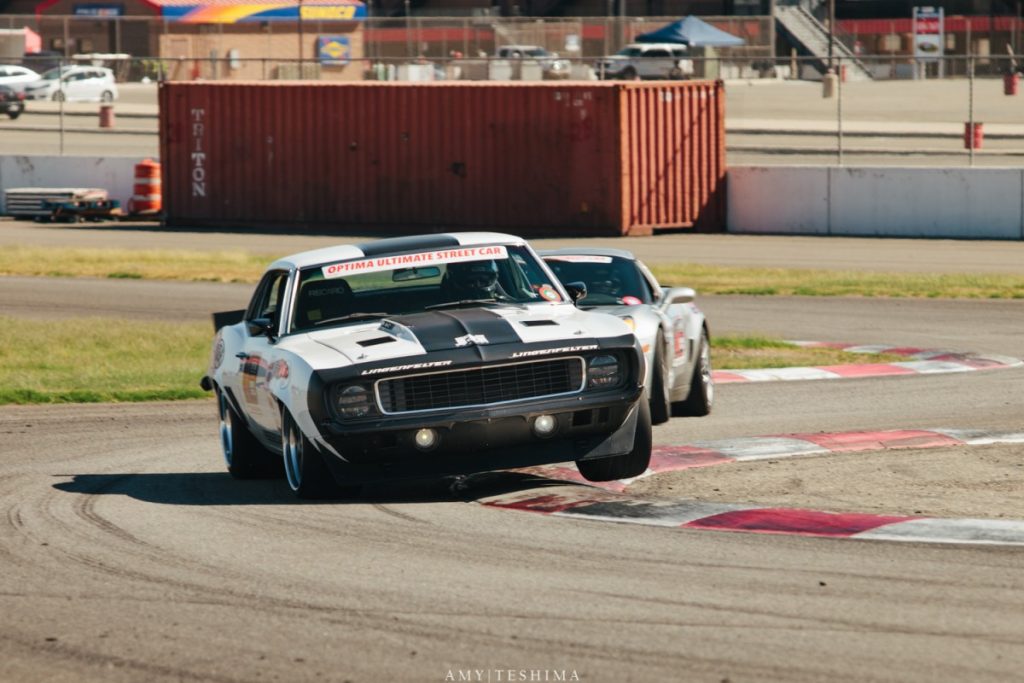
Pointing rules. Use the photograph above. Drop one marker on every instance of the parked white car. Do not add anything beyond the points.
(647, 60)
(74, 84)
(554, 68)
(16, 77)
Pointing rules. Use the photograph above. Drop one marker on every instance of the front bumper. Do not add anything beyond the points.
(484, 439)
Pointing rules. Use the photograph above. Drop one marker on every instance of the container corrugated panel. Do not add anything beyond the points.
(567, 158)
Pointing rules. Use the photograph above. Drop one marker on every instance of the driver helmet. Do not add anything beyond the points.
(606, 281)
(479, 278)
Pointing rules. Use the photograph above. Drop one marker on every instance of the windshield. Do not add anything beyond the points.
(629, 52)
(610, 280)
(352, 291)
(537, 52)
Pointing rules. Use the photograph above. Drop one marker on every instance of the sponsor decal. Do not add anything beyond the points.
(548, 352)
(631, 301)
(373, 265)
(477, 339)
(218, 353)
(279, 370)
(580, 259)
(548, 293)
(410, 366)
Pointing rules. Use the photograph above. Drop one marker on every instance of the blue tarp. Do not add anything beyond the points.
(691, 31)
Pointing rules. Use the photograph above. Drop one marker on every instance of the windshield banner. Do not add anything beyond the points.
(426, 258)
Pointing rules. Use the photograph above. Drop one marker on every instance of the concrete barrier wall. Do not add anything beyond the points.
(114, 174)
(962, 203)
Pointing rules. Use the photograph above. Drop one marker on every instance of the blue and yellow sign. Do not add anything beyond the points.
(333, 50)
(344, 10)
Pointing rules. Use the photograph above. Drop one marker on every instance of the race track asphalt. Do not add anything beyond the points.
(129, 553)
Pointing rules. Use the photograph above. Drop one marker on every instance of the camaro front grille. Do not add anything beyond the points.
(481, 386)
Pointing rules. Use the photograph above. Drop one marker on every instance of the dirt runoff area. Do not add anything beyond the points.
(960, 481)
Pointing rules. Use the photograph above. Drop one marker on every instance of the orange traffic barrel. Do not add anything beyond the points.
(147, 193)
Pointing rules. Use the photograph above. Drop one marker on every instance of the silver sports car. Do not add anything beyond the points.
(672, 330)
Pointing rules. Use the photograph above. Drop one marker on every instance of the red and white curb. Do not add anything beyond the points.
(608, 503)
(923, 362)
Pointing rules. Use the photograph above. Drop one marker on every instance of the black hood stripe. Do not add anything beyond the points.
(438, 330)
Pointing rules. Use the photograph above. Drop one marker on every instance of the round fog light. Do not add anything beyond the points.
(544, 425)
(426, 439)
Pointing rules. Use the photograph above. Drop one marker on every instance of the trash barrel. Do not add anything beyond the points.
(1011, 83)
(974, 135)
(106, 116)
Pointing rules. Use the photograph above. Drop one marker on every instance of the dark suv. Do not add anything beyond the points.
(12, 102)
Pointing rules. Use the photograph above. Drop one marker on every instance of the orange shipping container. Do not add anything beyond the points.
(578, 158)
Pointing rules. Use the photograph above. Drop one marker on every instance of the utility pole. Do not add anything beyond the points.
(831, 33)
(300, 40)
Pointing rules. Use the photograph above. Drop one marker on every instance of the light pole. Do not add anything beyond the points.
(300, 40)
(831, 32)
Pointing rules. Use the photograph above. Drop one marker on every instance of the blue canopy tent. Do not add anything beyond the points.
(693, 32)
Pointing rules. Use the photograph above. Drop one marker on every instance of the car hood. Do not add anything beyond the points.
(420, 334)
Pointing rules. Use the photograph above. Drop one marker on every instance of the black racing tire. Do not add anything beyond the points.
(661, 408)
(107, 96)
(676, 74)
(14, 114)
(245, 457)
(631, 464)
(628, 74)
(702, 387)
(58, 96)
(304, 468)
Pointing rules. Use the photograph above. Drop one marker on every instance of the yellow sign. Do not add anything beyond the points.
(329, 13)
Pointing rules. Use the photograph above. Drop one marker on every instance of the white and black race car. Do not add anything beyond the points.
(671, 328)
(420, 356)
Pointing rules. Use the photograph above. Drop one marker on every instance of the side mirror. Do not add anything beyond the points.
(258, 326)
(677, 295)
(577, 291)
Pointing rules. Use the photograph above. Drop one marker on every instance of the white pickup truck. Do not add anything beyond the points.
(554, 67)
(647, 60)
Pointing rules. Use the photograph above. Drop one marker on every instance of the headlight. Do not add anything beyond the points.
(353, 401)
(603, 372)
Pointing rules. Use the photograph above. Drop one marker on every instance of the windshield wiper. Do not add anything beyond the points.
(351, 316)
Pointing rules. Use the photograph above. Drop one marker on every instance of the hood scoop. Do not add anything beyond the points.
(375, 341)
(536, 323)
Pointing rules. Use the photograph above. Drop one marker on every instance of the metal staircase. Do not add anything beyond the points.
(811, 38)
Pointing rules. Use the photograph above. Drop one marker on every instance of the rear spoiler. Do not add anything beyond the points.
(225, 318)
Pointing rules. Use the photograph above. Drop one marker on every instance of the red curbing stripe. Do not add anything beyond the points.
(545, 504)
(800, 522)
(675, 458)
(725, 377)
(875, 441)
(867, 370)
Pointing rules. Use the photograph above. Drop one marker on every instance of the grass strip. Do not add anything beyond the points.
(134, 264)
(756, 352)
(91, 360)
(811, 282)
(241, 266)
(94, 360)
